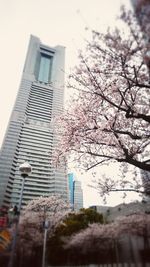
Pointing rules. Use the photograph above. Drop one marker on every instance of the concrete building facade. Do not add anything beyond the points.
(121, 210)
(30, 135)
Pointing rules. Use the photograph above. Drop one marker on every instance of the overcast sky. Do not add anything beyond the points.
(55, 22)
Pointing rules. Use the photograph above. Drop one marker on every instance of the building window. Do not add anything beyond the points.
(44, 68)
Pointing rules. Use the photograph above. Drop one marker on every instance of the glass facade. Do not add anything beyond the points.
(44, 68)
(75, 192)
(71, 188)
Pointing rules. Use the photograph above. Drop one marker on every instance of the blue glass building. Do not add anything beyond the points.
(71, 188)
(75, 192)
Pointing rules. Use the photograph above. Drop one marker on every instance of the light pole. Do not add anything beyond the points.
(25, 169)
(45, 225)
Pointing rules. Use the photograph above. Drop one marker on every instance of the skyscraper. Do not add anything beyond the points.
(75, 192)
(30, 136)
(78, 195)
(71, 188)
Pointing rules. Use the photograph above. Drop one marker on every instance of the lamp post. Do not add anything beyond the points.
(45, 226)
(25, 169)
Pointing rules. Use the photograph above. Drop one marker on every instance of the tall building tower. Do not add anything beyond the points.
(75, 192)
(78, 195)
(30, 136)
(71, 188)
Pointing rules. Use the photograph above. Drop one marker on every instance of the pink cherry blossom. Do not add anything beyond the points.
(52, 209)
(108, 119)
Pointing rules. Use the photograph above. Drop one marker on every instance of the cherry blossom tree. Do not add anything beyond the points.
(135, 224)
(53, 209)
(142, 11)
(124, 182)
(98, 236)
(108, 119)
(75, 221)
(93, 237)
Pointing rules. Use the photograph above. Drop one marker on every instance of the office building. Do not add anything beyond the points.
(122, 210)
(71, 188)
(78, 195)
(75, 192)
(30, 135)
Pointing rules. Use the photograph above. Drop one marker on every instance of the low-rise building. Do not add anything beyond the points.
(124, 209)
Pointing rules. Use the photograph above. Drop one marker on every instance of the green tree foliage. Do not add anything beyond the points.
(70, 225)
(77, 221)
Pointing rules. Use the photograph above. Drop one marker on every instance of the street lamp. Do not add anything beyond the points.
(25, 169)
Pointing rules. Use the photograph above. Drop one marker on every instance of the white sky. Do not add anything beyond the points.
(55, 22)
